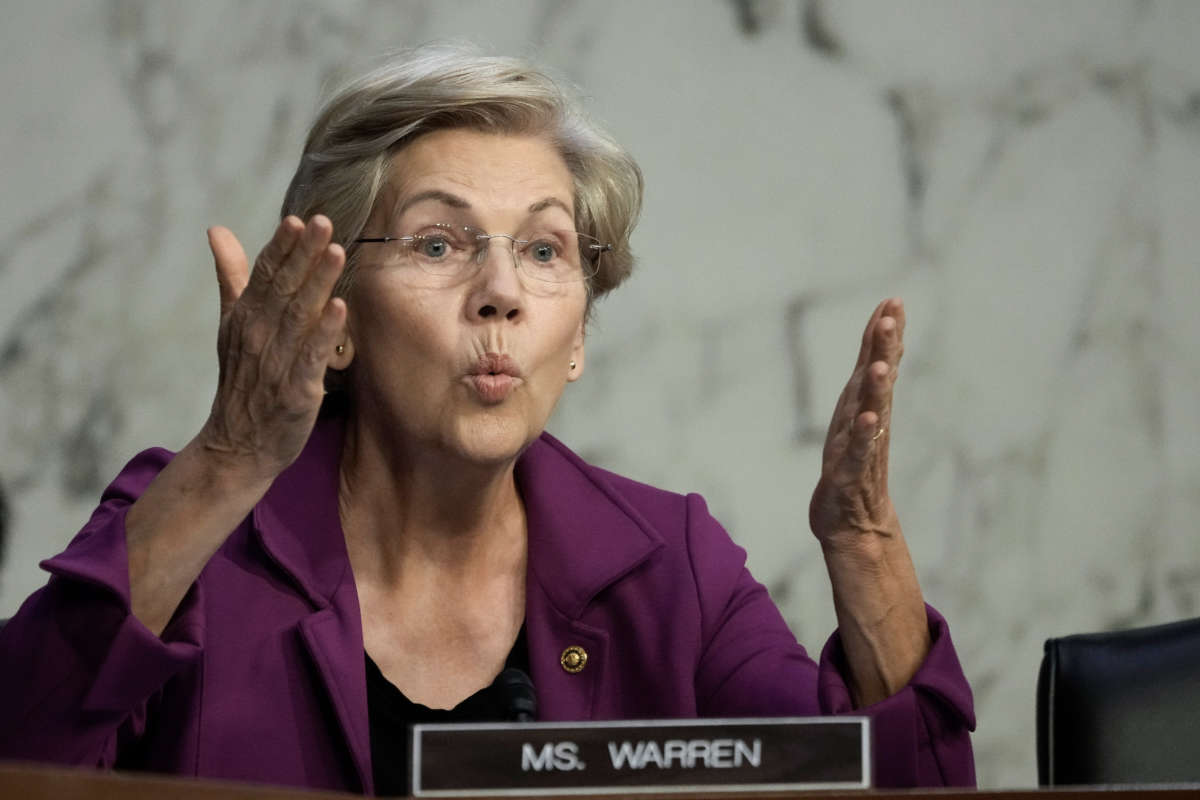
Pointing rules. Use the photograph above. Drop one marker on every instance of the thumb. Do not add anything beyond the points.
(233, 269)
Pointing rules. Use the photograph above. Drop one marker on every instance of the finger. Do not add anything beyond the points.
(874, 422)
(307, 253)
(896, 311)
(869, 450)
(879, 378)
(233, 269)
(875, 395)
(857, 390)
(276, 252)
(862, 443)
(314, 355)
(868, 337)
(312, 297)
(885, 343)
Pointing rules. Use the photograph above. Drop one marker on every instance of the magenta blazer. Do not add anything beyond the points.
(260, 675)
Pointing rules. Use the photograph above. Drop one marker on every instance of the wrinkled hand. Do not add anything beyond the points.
(279, 327)
(850, 507)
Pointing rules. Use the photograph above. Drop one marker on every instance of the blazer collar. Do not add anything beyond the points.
(583, 535)
(297, 521)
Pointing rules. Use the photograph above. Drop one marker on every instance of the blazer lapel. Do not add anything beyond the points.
(563, 695)
(335, 645)
(298, 526)
(583, 537)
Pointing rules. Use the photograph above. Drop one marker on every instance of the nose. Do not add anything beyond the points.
(497, 292)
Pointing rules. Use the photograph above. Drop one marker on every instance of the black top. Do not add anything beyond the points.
(390, 713)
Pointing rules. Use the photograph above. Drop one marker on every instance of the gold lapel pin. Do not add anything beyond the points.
(573, 659)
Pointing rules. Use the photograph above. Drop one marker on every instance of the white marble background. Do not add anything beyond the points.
(1024, 174)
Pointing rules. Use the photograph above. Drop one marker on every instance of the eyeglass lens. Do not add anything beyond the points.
(556, 256)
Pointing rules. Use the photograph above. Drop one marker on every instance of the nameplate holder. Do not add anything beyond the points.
(709, 755)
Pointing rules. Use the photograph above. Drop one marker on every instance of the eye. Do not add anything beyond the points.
(543, 251)
(435, 246)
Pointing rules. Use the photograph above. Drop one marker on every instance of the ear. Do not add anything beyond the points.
(577, 355)
(341, 360)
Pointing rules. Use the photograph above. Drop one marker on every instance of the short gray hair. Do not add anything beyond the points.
(368, 120)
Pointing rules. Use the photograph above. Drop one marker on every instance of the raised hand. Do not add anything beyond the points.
(279, 327)
(851, 507)
(881, 614)
(278, 332)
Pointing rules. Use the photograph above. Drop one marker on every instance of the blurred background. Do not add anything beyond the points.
(1024, 174)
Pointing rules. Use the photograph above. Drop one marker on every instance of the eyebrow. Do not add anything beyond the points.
(542, 205)
(454, 201)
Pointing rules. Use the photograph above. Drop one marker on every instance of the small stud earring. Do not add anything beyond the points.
(572, 365)
(341, 348)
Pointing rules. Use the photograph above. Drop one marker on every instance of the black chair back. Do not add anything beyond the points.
(1121, 707)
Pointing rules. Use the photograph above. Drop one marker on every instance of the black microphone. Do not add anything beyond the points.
(520, 700)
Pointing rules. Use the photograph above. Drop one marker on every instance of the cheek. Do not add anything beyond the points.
(394, 323)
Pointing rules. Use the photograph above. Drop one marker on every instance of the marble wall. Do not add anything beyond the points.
(1024, 174)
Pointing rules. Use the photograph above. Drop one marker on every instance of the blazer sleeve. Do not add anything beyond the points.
(79, 674)
(751, 665)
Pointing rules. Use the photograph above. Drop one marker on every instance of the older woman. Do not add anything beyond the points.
(372, 522)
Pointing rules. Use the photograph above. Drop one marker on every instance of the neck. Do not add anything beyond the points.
(405, 507)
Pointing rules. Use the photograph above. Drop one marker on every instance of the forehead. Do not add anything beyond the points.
(492, 172)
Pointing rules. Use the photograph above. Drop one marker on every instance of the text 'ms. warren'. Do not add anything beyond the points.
(668, 754)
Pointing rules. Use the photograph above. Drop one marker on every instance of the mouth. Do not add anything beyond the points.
(494, 377)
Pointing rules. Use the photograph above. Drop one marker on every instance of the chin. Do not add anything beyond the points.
(494, 439)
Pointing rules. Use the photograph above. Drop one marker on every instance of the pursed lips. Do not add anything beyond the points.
(493, 377)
